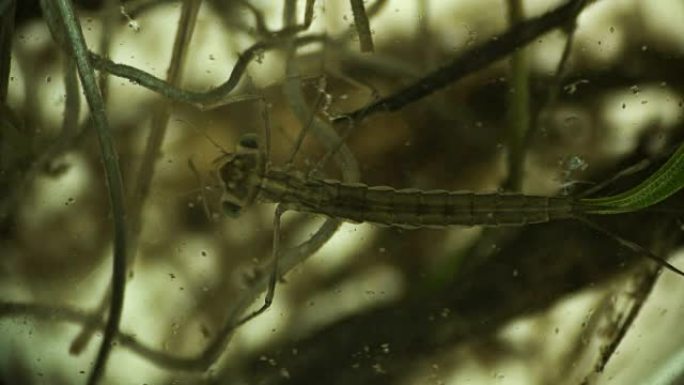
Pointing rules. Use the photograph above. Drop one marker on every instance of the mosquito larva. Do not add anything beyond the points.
(245, 177)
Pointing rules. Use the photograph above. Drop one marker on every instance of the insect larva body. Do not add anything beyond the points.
(246, 177)
(409, 208)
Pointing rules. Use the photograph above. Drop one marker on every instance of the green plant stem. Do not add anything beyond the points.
(518, 105)
(665, 182)
(140, 191)
(7, 11)
(67, 31)
(362, 26)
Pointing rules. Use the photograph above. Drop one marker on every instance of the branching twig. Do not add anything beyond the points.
(362, 26)
(472, 60)
(288, 30)
(204, 100)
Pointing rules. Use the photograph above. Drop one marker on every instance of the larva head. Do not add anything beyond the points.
(240, 175)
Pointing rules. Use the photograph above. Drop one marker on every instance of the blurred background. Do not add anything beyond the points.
(540, 304)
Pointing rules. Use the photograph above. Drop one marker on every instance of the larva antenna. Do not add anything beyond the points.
(204, 134)
(200, 180)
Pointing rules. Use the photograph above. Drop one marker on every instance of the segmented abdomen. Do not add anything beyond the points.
(411, 207)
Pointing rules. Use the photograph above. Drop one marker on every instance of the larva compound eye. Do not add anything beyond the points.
(231, 209)
(240, 174)
(249, 141)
